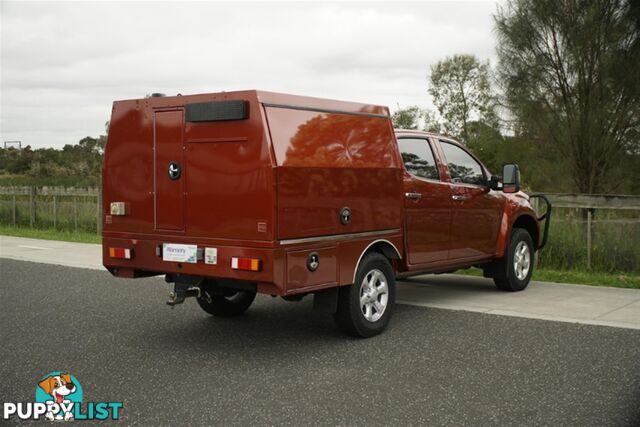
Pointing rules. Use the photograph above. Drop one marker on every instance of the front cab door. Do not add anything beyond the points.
(476, 210)
(427, 203)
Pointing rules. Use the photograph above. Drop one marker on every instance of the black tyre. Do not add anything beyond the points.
(365, 308)
(224, 303)
(514, 271)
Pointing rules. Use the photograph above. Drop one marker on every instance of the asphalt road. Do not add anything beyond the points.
(283, 363)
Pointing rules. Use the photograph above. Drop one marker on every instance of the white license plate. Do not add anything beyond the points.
(179, 253)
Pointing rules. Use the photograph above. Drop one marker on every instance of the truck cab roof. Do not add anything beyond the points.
(423, 134)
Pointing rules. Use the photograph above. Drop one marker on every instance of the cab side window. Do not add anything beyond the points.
(462, 167)
(418, 158)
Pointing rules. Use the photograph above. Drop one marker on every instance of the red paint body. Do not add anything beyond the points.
(272, 186)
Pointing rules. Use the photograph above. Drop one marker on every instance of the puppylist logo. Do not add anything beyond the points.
(59, 397)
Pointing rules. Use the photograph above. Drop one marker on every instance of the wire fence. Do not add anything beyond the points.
(590, 232)
(60, 208)
(594, 232)
(611, 245)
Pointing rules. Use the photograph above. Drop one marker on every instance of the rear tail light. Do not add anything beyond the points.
(250, 264)
(122, 253)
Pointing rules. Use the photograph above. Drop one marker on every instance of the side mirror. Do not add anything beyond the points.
(510, 178)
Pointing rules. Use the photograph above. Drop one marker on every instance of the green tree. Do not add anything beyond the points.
(407, 118)
(412, 116)
(487, 143)
(75, 164)
(570, 72)
(431, 122)
(462, 93)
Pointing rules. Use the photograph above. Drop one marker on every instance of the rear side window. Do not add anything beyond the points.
(418, 158)
(462, 167)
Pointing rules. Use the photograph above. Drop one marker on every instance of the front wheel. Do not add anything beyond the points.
(365, 308)
(227, 303)
(516, 268)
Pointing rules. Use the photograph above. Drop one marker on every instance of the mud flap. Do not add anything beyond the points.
(326, 300)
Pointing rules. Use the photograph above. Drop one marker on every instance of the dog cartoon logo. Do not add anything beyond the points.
(59, 397)
(60, 391)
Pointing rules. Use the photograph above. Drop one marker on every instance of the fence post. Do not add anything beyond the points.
(589, 239)
(99, 215)
(32, 204)
(14, 210)
(75, 214)
(55, 220)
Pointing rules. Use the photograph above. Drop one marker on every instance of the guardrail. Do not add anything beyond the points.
(594, 201)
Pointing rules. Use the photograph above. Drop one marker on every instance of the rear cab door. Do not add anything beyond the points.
(427, 201)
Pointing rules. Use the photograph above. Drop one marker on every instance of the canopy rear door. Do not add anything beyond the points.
(169, 174)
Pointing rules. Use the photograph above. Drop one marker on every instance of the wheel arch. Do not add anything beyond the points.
(381, 246)
(530, 224)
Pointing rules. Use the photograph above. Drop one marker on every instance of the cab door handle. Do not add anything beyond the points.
(459, 197)
(413, 196)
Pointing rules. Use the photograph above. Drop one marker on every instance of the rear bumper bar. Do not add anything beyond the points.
(146, 260)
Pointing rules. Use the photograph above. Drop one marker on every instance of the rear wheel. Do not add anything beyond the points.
(365, 308)
(224, 302)
(514, 271)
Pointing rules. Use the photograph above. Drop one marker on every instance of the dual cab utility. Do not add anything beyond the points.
(233, 194)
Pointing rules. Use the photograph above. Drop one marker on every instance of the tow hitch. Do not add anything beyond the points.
(183, 288)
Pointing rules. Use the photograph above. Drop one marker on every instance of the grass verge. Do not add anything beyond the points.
(593, 278)
(50, 234)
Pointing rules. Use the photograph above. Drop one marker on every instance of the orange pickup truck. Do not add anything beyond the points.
(238, 193)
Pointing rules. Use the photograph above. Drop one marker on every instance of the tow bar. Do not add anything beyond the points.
(183, 287)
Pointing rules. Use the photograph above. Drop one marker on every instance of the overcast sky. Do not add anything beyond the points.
(63, 63)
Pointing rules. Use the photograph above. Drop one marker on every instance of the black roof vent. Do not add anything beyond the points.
(157, 95)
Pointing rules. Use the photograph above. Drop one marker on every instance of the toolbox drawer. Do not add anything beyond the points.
(300, 276)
